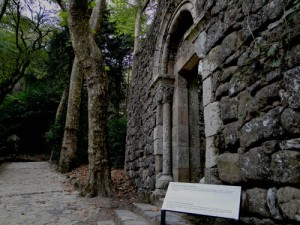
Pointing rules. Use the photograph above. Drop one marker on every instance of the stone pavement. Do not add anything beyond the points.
(33, 193)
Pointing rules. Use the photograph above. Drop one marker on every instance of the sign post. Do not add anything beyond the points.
(202, 199)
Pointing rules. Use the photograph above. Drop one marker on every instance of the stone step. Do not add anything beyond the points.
(152, 213)
(126, 217)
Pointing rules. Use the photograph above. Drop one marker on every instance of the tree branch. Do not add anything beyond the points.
(97, 17)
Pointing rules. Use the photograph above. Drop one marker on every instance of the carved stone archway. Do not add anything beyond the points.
(177, 134)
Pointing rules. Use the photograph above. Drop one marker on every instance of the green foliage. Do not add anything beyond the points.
(116, 50)
(24, 32)
(123, 13)
(61, 56)
(117, 140)
(63, 17)
(7, 52)
(28, 115)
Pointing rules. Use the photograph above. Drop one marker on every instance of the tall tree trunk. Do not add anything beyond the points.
(63, 101)
(90, 60)
(3, 5)
(67, 160)
(59, 118)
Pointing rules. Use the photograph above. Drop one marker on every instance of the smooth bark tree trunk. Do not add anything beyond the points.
(68, 159)
(59, 118)
(62, 103)
(3, 5)
(90, 60)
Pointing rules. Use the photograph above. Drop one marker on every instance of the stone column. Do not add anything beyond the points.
(163, 135)
(167, 159)
(158, 138)
(180, 131)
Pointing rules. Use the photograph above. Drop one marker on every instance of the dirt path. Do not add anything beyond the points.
(33, 193)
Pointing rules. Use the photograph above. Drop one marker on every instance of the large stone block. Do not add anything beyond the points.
(292, 144)
(232, 14)
(291, 80)
(255, 165)
(229, 109)
(256, 202)
(250, 6)
(290, 120)
(273, 203)
(257, 221)
(229, 167)
(273, 9)
(212, 119)
(265, 127)
(285, 167)
(211, 153)
(214, 33)
(212, 176)
(230, 44)
(222, 90)
(251, 25)
(289, 202)
(267, 95)
(216, 55)
(201, 44)
(206, 68)
(230, 134)
(207, 91)
(269, 147)
(237, 84)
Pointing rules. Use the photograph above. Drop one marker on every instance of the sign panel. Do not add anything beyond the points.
(204, 199)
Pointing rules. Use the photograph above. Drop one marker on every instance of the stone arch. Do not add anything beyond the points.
(175, 75)
(167, 27)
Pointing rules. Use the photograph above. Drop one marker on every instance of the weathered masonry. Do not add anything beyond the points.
(215, 98)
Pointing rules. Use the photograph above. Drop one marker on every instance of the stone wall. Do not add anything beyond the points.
(248, 55)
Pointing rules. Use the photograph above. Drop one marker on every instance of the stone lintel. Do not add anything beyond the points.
(186, 63)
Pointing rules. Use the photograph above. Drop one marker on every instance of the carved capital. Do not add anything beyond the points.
(165, 90)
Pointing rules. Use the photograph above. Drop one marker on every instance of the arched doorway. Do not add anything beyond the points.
(180, 111)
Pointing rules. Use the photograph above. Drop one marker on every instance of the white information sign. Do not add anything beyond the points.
(204, 199)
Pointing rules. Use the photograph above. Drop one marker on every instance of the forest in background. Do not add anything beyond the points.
(36, 67)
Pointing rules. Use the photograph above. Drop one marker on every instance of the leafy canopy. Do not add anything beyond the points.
(123, 14)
